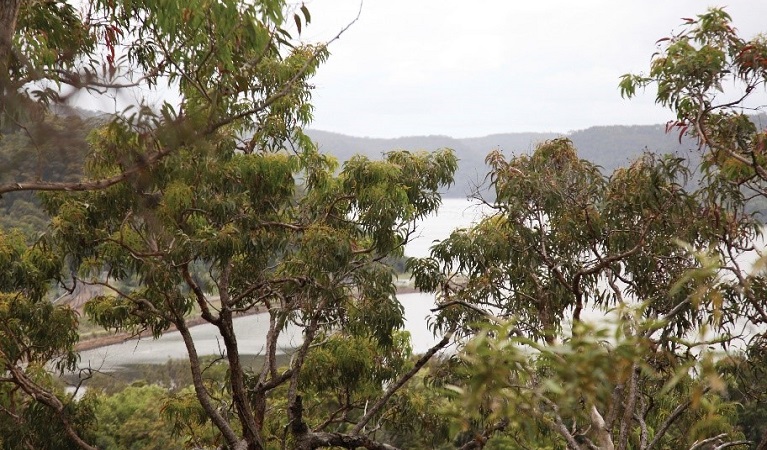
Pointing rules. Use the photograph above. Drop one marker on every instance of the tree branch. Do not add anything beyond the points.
(603, 433)
(73, 186)
(401, 382)
(48, 399)
(669, 421)
(203, 396)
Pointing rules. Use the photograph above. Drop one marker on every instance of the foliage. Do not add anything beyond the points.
(667, 265)
(222, 189)
(35, 335)
(712, 79)
(311, 258)
(36, 423)
(132, 419)
(223, 193)
(565, 245)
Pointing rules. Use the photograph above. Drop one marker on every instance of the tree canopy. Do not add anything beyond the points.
(661, 261)
(224, 182)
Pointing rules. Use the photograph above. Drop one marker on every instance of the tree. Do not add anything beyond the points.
(227, 181)
(713, 80)
(35, 334)
(232, 63)
(668, 263)
(565, 243)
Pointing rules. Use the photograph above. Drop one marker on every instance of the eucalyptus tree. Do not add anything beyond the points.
(591, 301)
(691, 71)
(233, 62)
(670, 266)
(713, 80)
(224, 181)
(306, 253)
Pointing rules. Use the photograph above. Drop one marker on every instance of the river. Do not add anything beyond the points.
(251, 330)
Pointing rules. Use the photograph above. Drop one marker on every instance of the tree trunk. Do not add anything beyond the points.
(9, 13)
(251, 425)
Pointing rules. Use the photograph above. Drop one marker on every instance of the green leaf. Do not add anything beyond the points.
(297, 19)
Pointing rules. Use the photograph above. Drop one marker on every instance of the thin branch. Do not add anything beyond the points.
(491, 317)
(401, 382)
(202, 301)
(85, 185)
(732, 444)
(262, 105)
(670, 421)
(698, 444)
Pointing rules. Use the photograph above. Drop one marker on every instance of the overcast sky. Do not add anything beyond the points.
(471, 68)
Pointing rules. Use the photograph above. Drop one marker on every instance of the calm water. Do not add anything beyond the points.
(251, 330)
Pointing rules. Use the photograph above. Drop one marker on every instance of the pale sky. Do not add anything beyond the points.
(472, 68)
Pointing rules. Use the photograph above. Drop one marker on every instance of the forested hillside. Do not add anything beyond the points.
(54, 150)
(607, 146)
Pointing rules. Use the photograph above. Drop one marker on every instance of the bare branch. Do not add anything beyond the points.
(73, 186)
(603, 433)
(401, 382)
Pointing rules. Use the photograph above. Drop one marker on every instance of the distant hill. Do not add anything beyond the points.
(60, 155)
(607, 146)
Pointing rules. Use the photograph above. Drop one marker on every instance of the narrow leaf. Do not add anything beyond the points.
(298, 22)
